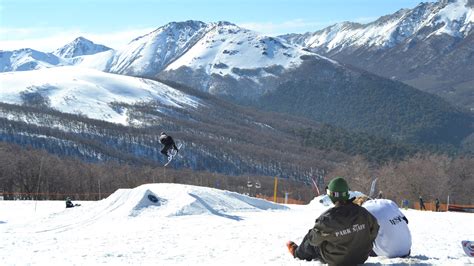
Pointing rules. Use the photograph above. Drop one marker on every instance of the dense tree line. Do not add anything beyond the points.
(428, 175)
(27, 173)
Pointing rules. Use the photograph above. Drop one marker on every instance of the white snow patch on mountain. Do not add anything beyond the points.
(457, 18)
(89, 92)
(80, 46)
(28, 59)
(100, 61)
(226, 46)
(150, 53)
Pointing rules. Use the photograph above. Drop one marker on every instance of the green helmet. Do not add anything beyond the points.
(338, 189)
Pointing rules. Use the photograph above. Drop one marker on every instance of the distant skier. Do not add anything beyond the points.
(437, 204)
(343, 235)
(168, 143)
(405, 204)
(380, 196)
(69, 203)
(394, 237)
(422, 204)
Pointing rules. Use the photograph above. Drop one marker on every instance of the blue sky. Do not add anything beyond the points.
(48, 24)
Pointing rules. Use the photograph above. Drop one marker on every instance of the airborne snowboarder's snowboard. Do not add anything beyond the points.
(468, 247)
(172, 153)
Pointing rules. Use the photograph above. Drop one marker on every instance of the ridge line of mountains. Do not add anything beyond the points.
(366, 79)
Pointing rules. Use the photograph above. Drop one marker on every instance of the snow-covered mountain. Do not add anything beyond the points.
(452, 17)
(149, 54)
(429, 47)
(221, 58)
(235, 63)
(88, 92)
(72, 53)
(80, 46)
(27, 59)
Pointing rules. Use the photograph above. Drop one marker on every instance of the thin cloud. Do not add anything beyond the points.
(49, 39)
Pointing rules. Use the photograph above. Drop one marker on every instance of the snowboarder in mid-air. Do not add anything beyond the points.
(169, 144)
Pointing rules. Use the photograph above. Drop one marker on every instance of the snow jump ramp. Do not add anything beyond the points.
(158, 200)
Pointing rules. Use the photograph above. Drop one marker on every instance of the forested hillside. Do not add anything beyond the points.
(363, 102)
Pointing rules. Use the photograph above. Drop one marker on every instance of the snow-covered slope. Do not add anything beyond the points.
(27, 59)
(236, 63)
(149, 54)
(215, 47)
(80, 46)
(86, 91)
(453, 17)
(429, 47)
(220, 57)
(71, 54)
(190, 225)
(226, 46)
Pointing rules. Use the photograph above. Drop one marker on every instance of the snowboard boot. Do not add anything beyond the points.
(292, 248)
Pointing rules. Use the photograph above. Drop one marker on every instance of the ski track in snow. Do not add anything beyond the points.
(194, 225)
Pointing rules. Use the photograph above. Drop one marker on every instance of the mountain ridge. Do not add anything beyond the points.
(428, 47)
(78, 47)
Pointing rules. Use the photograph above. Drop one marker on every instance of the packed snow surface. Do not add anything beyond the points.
(88, 92)
(171, 224)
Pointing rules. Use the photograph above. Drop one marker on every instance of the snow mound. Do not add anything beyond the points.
(154, 201)
(179, 200)
(151, 201)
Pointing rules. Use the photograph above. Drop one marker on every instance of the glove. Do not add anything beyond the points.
(292, 247)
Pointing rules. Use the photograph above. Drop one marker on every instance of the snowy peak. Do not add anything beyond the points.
(80, 46)
(226, 47)
(27, 59)
(150, 53)
(453, 17)
(203, 46)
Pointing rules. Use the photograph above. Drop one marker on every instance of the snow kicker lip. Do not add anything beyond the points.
(149, 199)
(468, 247)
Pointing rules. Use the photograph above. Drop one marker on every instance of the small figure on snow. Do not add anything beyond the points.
(69, 203)
(168, 142)
(405, 204)
(437, 204)
(422, 204)
(380, 196)
(343, 235)
(394, 237)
